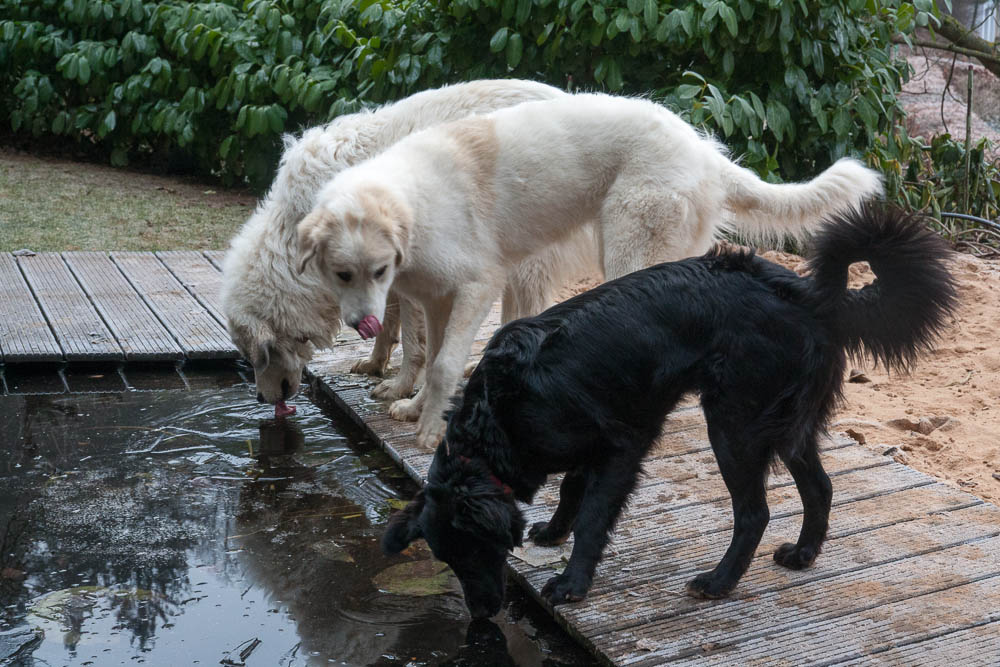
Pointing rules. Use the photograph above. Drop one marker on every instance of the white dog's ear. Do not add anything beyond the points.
(313, 233)
(263, 342)
(393, 216)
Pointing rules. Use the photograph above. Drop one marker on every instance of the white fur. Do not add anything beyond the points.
(270, 307)
(473, 196)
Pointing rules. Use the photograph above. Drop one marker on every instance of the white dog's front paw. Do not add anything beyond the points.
(405, 410)
(394, 388)
(431, 432)
(469, 367)
(369, 366)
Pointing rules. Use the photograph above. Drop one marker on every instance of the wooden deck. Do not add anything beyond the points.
(910, 575)
(117, 306)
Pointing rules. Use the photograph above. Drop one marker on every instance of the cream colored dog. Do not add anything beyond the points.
(277, 316)
(441, 214)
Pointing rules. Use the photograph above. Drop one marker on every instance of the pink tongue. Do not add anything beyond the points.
(281, 409)
(369, 327)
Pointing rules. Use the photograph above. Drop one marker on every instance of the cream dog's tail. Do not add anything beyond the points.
(762, 210)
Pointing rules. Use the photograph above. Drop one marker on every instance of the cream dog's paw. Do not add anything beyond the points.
(369, 366)
(429, 435)
(469, 367)
(393, 388)
(405, 410)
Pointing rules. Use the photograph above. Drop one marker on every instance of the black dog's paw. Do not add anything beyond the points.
(795, 557)
(540, 534)
(707, 587)
(562, 588)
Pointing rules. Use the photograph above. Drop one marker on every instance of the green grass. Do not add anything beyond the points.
(50, 204)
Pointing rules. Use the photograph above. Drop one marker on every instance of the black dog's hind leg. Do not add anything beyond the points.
(607, 487)
(816, 492)
(744, 469)
(557, 529)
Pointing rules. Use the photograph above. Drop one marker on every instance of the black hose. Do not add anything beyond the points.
(973, 218)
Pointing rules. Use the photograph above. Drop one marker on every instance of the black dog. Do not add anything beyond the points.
(585, 387)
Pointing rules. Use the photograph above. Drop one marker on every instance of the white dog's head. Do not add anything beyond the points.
(358, 238)
(277, 360)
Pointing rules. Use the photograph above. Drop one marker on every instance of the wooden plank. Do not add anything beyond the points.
(216, 257)
(611, 612)
(780, 611)
(199, 276)
(24, 333)
(922, 618)
(978, 645)
(141, 336)
(654, 597)
(77, 326)
(199, 335)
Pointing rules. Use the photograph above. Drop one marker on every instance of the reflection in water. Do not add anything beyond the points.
(174, 526)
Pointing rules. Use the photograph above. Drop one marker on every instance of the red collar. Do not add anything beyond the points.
(496, 480)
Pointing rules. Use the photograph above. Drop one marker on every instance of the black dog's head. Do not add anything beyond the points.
(470, 522)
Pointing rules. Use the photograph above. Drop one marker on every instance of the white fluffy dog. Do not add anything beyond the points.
(276, 316)
(442, 213)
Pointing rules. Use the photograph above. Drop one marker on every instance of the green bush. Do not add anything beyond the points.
(789, 86)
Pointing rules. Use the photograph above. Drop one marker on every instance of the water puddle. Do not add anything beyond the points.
(186, 526)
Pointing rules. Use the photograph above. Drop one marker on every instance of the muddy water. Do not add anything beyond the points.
(187, 526)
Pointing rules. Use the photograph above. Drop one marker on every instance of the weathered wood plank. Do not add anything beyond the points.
(916, 619)
(24, 333)
(196, 331)
(77, 326)
(216, 257)
(978, 645)
(780, 611)
(141, 336)
(655, 597)
(200, 278)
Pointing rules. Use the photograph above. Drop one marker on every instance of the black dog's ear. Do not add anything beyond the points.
(491, 515)
(404, 526)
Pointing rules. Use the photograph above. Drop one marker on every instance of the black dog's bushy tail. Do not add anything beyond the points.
(902, 311)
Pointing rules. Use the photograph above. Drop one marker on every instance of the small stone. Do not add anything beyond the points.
(857, 376)
(925, 426)
(856, 435)
(996, 476)
(891, 451)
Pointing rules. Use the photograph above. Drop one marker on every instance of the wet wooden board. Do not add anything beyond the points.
(903, 548)
(71, 316)
(24, 333)
(141, 336)
(197, 332)
(199, 277)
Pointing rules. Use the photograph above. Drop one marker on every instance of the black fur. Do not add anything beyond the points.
(585, 388)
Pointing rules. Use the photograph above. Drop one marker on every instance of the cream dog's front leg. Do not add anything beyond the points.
(450, 332)
(378, 361)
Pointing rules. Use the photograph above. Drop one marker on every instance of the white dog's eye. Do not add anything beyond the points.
(381, 272)
(345, 276)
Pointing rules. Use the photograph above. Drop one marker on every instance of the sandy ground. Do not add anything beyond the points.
(944, 417)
